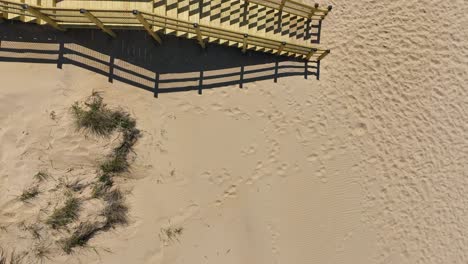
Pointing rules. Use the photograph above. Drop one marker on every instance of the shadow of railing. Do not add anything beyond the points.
(133, 58)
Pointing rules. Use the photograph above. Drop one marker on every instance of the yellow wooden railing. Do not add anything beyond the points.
(108, 19)
(295, 8)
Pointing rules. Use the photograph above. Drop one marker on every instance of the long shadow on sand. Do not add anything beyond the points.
(134, 58)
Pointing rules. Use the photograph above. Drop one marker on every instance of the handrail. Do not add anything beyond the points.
(76, 17)
(295, 8)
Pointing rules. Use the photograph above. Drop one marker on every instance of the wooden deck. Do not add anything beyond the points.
(280, 27)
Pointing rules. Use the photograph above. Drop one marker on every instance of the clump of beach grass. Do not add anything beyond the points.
(172, 233)
(65, 214)
(33, 229)
(95, 117)
(115, 210)
(79, 237)
(13, 259)
(41, 176)
(41, 251)
(29, 193)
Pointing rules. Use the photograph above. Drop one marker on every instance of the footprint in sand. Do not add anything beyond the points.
(282, 169)
(249, 150)
(359, 129)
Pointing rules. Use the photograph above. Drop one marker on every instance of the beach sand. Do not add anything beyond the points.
(367, 165)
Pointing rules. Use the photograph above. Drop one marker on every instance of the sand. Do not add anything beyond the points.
(367, 165)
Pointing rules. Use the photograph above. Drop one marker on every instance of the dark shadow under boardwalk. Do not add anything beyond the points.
(134, 58)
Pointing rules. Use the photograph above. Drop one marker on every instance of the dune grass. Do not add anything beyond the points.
(79, 237)
(94, 117)
(116, 210)
(12, 259)
(29, 193)
(41, 176)
(172, 233)
(66, 214)
(41, 252)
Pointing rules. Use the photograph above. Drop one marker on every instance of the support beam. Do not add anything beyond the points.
(97, 22)
(147, 26)
(244, 45)
(323, 55)
(42, 16)
(312, 51)
(281, 47)
(199, 35)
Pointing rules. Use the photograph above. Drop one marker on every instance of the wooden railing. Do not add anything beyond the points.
(295, 8)
(108, 19)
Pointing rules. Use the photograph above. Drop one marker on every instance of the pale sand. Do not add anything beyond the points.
(367, 165)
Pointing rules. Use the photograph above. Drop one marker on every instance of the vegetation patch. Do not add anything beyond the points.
(41, 176)
(66, 214)
(13, 258)
(29, 193)
(79, 237)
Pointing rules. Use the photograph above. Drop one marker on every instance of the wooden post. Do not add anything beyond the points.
(244, 45)
(147, 26)
(323, 55)
(156, 85)
(241, 81)
(282, 5)
(200, 83)
(306, 69)
(199, 35)
(42, 16)
(329, 8)
(317, 74)
(97, 22)
(311, 52)
(246, 10)
(61, 53)
(276, 71)
(281, 47)
(316, 6)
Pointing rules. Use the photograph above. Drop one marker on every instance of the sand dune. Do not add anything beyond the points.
(367, 165)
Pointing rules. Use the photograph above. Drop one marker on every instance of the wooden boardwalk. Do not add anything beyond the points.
(280, 27)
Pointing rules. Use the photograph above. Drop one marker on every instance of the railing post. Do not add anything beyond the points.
(146, 25)
(244, 46)
(311, 52)
(97, 22)
(199, 35)
(329, 8)
(282, 5)
(42, 16)
(316, 6)
(281, 47)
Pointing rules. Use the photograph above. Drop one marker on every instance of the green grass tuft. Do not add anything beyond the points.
(66, 214)
(79, 237)
(41, 176)
(13, 259)
(29, 193)
(115, 211)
